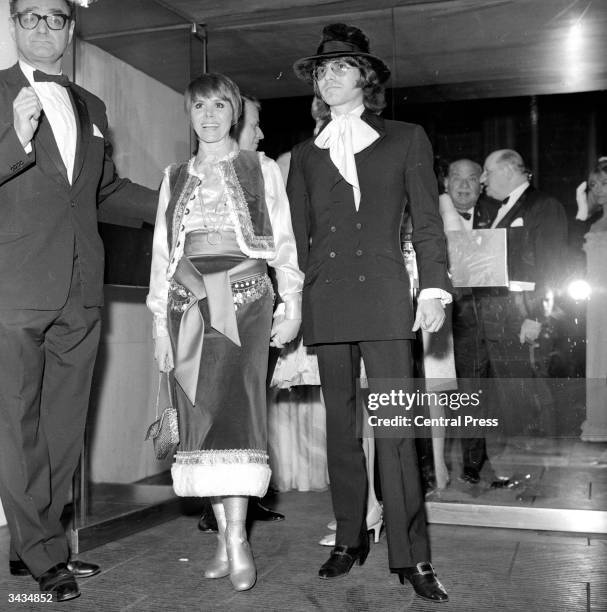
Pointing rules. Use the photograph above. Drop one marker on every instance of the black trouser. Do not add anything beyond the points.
(46, 367)
(397, 458)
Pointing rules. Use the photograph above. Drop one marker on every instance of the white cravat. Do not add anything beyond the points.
(344, 136)
(58, 108)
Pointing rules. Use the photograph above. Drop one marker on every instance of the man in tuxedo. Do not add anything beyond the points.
(55, 169)
(510, 318)
(348, 188)
(463, 185)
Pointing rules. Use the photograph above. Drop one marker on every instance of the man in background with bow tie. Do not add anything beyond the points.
(510, 317)
(55, 169)
(463, 186)
(348, 188)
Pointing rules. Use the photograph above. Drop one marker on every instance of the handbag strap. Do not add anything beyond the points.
(169, 393)
(169, 390)
(158, 393)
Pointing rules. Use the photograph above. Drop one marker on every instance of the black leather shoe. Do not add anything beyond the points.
(18, 568)
(470, 476)
(501, 482)
(423, 579)
(342, 559)
(207, 521)
(80, 569)
(259, 512)
(60, 583)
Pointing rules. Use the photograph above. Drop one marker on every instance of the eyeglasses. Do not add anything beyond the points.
(338, 68)
(30, 21)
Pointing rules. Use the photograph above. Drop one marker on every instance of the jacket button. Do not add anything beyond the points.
(333, 228)
(359, 253)
(362, 278)
(186, 211)
(332, 254)
(359, 226)
(72, 204)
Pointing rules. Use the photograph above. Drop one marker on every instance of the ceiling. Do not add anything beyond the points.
(437, 49)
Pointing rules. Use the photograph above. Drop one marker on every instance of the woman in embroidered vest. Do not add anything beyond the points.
(222, 217)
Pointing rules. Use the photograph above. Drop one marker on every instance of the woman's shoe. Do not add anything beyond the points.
(376, 529)
(219, 566)
(442, 475)
(243, 573)
(375, 520)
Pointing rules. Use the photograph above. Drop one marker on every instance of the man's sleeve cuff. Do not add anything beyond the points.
(433, 293)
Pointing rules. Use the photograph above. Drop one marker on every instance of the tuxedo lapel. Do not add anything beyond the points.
(514, 212)
(83, 125)
(44, 141)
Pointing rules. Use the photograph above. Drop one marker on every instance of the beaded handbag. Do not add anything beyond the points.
(164, 431)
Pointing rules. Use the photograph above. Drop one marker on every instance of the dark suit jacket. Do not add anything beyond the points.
(43, 216)
(356, 285)
(485, 212)
(537, 249)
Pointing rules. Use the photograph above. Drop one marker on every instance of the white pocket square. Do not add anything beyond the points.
(517, 222)
(97, 131)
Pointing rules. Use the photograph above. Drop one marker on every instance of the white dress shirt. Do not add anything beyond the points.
(58, 108)
(513, 198)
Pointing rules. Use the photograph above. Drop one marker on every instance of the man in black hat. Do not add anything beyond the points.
(349, 188)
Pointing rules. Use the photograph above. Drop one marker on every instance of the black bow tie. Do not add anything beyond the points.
(465, 215)
(43, 77)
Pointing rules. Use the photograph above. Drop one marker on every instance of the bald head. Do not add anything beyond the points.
(504, 171)
(463, 183)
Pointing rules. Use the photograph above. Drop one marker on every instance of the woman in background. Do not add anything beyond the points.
(222, 217)
(592, 200)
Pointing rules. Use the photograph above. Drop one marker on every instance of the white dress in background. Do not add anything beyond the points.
(594, 428)
(297, 441)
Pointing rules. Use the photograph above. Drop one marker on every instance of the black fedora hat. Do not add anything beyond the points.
(340, 40)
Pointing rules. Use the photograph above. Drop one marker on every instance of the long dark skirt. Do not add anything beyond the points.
(223, 437)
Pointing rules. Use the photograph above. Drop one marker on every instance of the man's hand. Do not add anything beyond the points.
(163, 353)
(530, 331)
(430, 315)
(26, 114)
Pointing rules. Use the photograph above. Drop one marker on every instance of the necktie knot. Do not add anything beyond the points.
(465, 215)
(505, 201)
(43, 77)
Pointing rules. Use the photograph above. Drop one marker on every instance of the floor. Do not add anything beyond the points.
(542, 473)
(483, 569)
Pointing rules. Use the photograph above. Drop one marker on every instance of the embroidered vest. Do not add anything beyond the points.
(246, 199)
